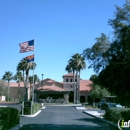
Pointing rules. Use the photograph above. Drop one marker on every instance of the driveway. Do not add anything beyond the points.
(63, 118)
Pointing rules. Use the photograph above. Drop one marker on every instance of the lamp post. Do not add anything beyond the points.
(42, 79)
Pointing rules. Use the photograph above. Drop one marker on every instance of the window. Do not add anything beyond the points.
(71, 86)
(75, 80)
(66, 80)
(70, 80)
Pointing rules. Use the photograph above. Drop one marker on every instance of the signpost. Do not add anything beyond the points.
(103, 107)
(26, 104)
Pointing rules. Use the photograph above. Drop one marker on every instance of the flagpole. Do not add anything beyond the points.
(33, 80)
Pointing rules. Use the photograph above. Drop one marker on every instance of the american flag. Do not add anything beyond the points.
(27, 46)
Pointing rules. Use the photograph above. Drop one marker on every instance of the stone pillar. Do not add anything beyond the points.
(66, 97)
(74, 94)
(86, 98)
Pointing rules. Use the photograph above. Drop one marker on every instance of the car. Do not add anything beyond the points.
(103, 101)
(115, 105)
(111, 104)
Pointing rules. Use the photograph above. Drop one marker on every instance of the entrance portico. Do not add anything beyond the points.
(51, 94)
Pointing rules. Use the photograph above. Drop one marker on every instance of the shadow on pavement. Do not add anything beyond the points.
(63, 127)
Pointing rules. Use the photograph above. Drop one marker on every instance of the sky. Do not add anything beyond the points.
(60, 29)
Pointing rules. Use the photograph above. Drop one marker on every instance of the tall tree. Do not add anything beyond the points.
(19, 78)
(3, 88)
(115, 73)
(78, 63)
(98, 92)
(71, 69)
(8, 77)
(94, 79)
(25, 67)
(97, 55)
(31, 80)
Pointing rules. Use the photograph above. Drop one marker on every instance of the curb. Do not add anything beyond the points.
(80, 108)
(69, 105)
(33, 114)
(17, 127)
(104, 120)
(3, 106)
(43, 108)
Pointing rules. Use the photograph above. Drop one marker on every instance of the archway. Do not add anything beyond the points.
(82, 99)
(71, 96)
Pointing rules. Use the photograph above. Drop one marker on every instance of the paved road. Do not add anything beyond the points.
(63, 118)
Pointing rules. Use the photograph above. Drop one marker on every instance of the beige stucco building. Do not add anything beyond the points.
(54, 89)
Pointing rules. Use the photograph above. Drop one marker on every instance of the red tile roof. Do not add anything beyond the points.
(51, 88)
(69, 74)
(85, 85)
(15, 84)
(51, 81)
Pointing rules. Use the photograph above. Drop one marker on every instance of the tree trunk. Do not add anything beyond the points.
(24, 86)
(30, 91)
(8, 92)
(77, 86)
(74, 87)
(19, 90)
(27, 75)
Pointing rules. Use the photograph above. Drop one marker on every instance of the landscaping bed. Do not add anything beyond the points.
(35, 108)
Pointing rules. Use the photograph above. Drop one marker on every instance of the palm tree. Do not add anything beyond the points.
(39, 81)
(71, 68)
(18, 77)
(24, 66)
(31, 82)
(36, 79)
(78, 63)
(8, 77)
(81, 66)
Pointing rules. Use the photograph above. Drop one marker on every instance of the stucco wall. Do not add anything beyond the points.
(69, 79)
(68, 86)
(14, 92)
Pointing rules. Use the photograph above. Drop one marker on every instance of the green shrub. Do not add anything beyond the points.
(35, 108)
(27, 111)
(126, 114)
(114, 114)
(9, 117)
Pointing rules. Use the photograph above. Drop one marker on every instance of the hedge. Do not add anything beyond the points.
(9, 117)
(114, 114)
(35, 108)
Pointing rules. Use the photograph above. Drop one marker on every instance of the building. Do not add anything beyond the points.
(49, 88)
